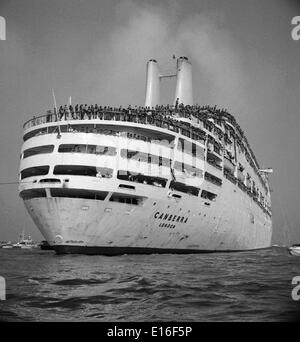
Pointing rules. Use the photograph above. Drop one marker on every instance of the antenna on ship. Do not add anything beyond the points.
(54, 100)
(56, 112)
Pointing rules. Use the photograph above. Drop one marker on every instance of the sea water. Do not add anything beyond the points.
(246, 286)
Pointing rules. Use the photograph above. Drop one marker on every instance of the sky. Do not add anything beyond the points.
(243, 56)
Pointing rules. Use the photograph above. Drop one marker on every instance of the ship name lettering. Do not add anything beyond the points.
(156, 214)
(170, 217)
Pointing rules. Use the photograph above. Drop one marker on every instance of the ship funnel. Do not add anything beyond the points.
(184, 86)
(152, 97)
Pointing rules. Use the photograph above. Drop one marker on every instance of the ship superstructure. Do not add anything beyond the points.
(180, 178)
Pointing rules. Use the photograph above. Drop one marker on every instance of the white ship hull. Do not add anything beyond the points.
(74, 225)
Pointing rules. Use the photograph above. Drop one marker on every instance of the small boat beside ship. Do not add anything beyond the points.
(25, 243)
(295, 250)
(6, 245)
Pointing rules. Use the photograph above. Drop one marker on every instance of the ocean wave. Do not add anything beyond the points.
(251, 286)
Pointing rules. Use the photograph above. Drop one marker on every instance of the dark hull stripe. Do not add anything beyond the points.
(111, 251)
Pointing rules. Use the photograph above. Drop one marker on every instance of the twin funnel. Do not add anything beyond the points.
(152, 97)
(184, 86)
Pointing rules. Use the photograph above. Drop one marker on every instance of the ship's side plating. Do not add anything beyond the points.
(114, 184)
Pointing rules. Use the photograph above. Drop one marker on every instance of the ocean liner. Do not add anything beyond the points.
(178, 178)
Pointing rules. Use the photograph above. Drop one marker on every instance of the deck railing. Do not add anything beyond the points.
(140, 118)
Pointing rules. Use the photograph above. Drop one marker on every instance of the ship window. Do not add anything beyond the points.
(35, 171)
(154, 159)
(33, 193)
(69, 148)
(90, 149)
(208, 195)
(214, 160)
(217, 148)
(38, 150)
(213, 179)
(188, 170)
(166, 162)
(79, 193)
(134, 155)
(77, 170)
(140, 178)
(50, 180)
(35, 133)
(191, 190)
(124, 186)
(127, 199)
(190, 148)
(145, 157)
(83, 170)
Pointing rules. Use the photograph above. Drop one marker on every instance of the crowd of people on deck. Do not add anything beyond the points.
(159, 112)
(160, 115)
